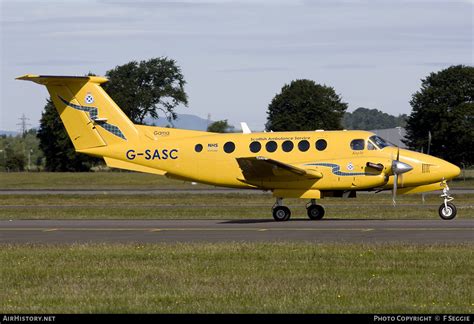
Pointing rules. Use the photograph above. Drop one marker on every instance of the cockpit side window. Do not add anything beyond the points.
(371, 146)
(357, 144)
(379, 141)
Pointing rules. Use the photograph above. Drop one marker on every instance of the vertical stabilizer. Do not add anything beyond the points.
(91, 117)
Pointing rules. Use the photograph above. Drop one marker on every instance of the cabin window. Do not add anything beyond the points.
(303, 145)
(379, 142)
(229, 147)
(321, 145)
(287, 146)
(255, 147)
(198, 148)
(271, 146)
(357, 144)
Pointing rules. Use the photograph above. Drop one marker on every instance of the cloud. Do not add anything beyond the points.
(57, 62)
(441, 64)
(197, 3)
(94, 33)
(346, 66)
(252, 69)
(158, 4)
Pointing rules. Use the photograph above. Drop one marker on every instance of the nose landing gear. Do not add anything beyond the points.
(447, 210)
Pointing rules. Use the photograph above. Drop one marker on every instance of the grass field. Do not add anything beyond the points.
(189, 205)
(217, 206)
(236, 278)
(89, 180)
(127, 180)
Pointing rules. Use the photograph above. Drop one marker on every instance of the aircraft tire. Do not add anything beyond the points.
(315, 212)
(447, 213)
(281, 213)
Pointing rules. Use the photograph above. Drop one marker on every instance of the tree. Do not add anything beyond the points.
(57, 146)
(15, 161)
(220, 126)
(364, 118)
(305, 105)
(143, 88)
(20, 152)
(445, 107)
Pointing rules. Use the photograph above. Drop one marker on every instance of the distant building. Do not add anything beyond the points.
(393, 135)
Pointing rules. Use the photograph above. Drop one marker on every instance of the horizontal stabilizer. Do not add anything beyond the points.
(61, 79)
(119, 164)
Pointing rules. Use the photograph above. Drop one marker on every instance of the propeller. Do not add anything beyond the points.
(398, 168)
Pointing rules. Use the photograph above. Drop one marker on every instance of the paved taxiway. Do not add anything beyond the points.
(257, 230)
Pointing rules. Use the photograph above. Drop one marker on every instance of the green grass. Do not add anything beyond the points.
(217, 206)
(236, 278)
(89, 180)
(124, 180)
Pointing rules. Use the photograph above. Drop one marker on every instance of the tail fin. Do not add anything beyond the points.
(91, 117)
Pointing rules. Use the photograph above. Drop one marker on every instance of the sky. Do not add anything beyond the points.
(236, 55)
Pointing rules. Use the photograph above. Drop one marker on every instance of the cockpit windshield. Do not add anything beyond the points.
(379, 141)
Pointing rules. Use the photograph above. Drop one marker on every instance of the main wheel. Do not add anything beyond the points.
(447, 212)
(315, 212)
(281, 213)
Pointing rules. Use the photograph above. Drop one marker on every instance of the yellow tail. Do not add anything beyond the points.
(92, 119)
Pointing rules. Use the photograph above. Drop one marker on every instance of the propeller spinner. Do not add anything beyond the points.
(398, 168)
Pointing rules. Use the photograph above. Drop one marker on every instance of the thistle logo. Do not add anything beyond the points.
(336, 169)
(89, 99)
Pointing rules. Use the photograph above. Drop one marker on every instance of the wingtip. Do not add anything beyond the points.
(27, 77)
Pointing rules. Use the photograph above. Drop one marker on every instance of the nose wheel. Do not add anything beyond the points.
(447, 210)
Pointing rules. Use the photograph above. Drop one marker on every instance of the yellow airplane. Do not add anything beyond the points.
(309, 165)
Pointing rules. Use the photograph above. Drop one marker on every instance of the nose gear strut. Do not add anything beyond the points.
(447, 210)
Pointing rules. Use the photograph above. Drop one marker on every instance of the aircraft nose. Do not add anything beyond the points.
(450, 170)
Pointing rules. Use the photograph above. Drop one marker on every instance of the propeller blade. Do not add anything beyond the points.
(394, 190)
(398, 169)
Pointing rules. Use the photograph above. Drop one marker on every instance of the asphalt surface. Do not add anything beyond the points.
(257, 230)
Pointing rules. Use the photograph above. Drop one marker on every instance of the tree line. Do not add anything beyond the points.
(444, 106)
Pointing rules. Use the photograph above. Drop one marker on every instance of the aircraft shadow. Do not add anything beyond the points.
(258, 221)
(253, 221)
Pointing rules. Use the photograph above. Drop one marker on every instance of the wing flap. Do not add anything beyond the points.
(258, 168)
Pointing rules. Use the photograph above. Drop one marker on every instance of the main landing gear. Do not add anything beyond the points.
(282, 213)
(315, 212)
(447, 210)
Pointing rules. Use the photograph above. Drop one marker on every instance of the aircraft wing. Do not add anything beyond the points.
(259, 168)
